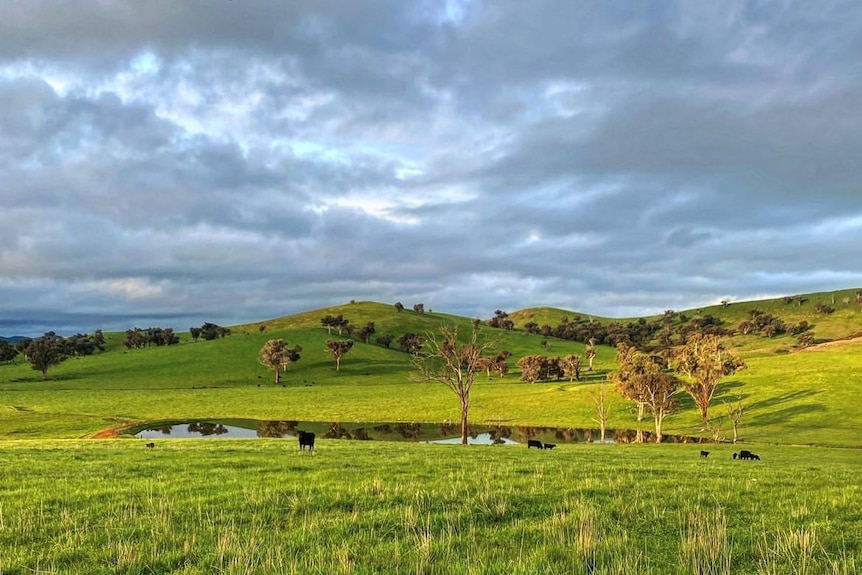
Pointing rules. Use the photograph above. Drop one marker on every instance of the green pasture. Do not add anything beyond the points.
(73, 505)
(803, 397)
(260, 506)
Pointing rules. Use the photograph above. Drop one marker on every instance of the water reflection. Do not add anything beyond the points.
(403, 431)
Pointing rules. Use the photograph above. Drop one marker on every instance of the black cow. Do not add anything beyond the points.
(535, 443)
(550, 445)
(306, 439)
(747, 455)
(151, 445)
(704, 454)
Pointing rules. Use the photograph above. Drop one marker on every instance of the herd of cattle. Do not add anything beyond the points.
(306, 440)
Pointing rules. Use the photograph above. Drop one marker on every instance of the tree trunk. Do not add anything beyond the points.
(602, 429)
(704, 411)
(464, 408)
(735, 431)
(659, 418)
(337, 364)
(641, 406)
(277, 376)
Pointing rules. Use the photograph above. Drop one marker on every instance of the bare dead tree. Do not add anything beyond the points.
(453, 363)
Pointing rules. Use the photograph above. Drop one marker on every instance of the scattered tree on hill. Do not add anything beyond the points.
(539, 368)
(195, 332)
(496, 363)
(80, 345)
(501, 320)
(329, 321)
(399, 307)
(591, 352)
(338, 348)
(824, 308)
(411, 343)
(645, 380)
(384, 340)
(454, 364)
(532, 328)
(137, 338)
(210, 331)
(46, 351)
(572, 367)
(7, 351)
(704, 362)
(22, 344)
(419, 308)
(806, 339)
(277, 356)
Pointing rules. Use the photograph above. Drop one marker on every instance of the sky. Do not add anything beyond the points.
(165, 163)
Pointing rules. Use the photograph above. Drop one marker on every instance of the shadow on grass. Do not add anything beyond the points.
(784, 398)
(765, 412)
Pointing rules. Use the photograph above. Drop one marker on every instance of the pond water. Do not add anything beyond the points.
(398, 431)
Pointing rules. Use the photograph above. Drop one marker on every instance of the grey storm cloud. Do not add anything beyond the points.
(169, 162)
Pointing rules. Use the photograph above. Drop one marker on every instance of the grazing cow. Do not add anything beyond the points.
(735, 455)
(704, 454)
(747, 455)
(151, 445)
(306, 439)
(550, 445)
(535, 443)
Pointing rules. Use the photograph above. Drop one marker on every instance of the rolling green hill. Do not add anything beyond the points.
(793, 396)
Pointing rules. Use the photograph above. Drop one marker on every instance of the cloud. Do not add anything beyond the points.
(242, 160)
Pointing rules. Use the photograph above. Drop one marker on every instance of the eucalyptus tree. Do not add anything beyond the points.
(339, 348)
(7, 351)
(46, 351)
(704, 362)
(277, 356)
(590, 352)
(645, 379)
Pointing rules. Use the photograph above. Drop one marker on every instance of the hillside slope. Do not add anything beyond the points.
(793, 397)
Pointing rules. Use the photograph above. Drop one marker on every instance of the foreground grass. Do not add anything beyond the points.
(259, 506)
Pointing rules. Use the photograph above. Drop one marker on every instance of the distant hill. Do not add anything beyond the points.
(12, 339)
(832, 316)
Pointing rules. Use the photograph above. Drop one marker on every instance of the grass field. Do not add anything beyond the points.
(259, 506)
(75, 505)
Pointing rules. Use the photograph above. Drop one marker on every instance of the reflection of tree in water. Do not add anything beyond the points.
(164, 430)
(276, 428)
(569, 434)
(447, 429)
(499, 433)
(337, 431)
(207, 428)
(361, 434)
(410, 430)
